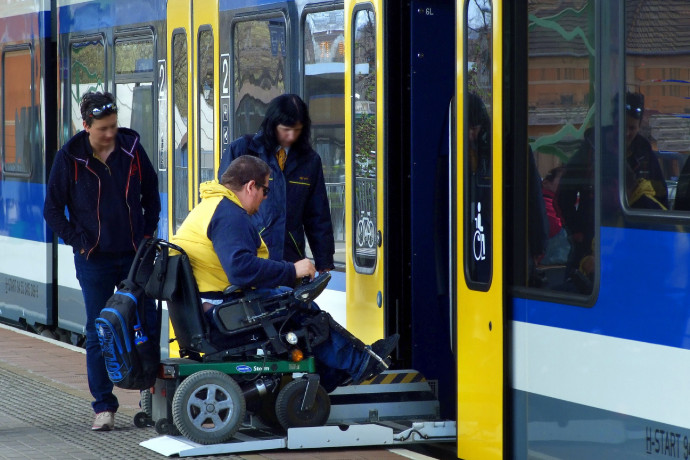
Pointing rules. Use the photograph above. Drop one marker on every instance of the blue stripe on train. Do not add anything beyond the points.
(644, 293)
(98, 15)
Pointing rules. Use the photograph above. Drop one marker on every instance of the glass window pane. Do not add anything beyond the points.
(87, 70)
(656, 122)
(134, 64)
(477, 139)
(560, 213)
(324, 92)
(180, 88)
(259, 57)
(365, 141)
(20, 116)
(205, 137)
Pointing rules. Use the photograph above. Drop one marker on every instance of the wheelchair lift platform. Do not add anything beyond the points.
(393, 409)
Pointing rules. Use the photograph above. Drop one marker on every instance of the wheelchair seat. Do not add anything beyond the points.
(241, 326)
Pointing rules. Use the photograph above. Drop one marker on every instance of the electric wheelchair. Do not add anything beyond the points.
(256, 358)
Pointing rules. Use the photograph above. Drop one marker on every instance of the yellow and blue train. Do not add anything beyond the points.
(435, 121)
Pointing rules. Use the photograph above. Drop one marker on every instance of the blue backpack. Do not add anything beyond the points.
(131, 357)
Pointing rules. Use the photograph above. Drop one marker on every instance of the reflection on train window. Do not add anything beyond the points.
(559, 252)
(206, 77)
(87, 72)
(260, 51)
(134, 89)
(180, 87)
(324, 92)
(478, 163)
(656, 107)
(19, 113)
(364, 161)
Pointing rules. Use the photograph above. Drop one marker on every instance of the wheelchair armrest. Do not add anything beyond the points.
(310, 291)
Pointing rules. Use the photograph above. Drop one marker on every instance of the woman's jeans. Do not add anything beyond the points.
(98, 277)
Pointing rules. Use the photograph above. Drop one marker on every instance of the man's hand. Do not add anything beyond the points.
(305, 268)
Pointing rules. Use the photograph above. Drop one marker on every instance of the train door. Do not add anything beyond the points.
(364, 216)
(477, 214)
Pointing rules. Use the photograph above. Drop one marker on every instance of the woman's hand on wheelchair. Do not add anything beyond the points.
(305, 269)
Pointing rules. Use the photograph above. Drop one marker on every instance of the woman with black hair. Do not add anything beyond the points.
(298, 203)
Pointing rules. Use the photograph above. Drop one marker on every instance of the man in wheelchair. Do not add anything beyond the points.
(225, 249)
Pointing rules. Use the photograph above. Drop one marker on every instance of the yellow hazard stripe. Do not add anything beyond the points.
(398, 377)
(299, 183)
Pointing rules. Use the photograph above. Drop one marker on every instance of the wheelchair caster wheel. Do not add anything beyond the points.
(289, 403)
(142, 420)
(208, 407)
(163, 426)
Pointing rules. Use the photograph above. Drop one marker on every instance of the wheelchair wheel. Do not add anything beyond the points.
(289, 402)
(164, 427)
(146, 402)
(208, 407)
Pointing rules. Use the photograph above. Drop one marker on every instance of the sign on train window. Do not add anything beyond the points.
(478, 182)
(180, 88)
(206, 77)
(364, 161)
(134, 89)
(260, 50)
(18, 112)
(324, 93)
(87, 73)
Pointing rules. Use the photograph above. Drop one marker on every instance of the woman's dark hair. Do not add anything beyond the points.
(286, 110)
(244, 169)
(95, 105)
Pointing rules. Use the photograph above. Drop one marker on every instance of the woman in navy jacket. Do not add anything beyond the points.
(298, 203)
(104, 179)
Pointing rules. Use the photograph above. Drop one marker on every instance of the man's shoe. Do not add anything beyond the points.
(105, 421)
(382, 348)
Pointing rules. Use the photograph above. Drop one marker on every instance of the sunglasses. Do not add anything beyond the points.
(266, 189)
(98, 112)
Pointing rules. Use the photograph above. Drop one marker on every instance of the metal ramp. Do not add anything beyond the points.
(396, 434)
(395, 408)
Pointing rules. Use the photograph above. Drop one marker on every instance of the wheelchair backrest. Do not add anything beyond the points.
(184, 307)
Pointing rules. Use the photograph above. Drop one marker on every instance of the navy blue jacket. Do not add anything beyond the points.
(296, 205)
(74, 184)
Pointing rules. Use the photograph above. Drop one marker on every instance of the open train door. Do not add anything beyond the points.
(364, 160)
(478, 237)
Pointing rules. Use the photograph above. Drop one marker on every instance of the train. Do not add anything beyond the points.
(436, 121)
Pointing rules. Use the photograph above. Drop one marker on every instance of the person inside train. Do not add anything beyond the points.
(645, 182)
(225, 248)
(557, 245)
(104, 178)
(299, 204)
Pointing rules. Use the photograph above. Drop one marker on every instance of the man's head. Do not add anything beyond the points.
(634, 111)
(287, 122)
(247, 176)
(99, 115)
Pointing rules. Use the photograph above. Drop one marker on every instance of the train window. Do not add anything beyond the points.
(559, 251)
(324, 92)
(365, 140)
(260, 51)
(206, 77)
(655, 110)
(87, 72)
(180, 88)
(134, 89)
(478, 164)
(19, 114)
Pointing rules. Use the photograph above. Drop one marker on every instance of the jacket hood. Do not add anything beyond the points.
(213, 189)
(76, 146)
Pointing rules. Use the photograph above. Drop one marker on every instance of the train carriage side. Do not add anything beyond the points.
(596, 346)
(118, 47)
(27, 66)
